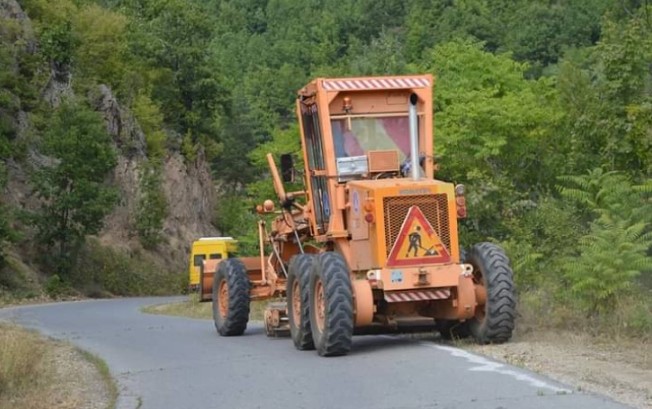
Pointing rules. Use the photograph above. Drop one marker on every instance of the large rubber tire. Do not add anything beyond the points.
(331, 305)
(493, 322)
(231, 298)
(298, 292)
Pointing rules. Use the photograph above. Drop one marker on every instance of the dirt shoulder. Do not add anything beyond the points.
(618, 368)
(53, 374)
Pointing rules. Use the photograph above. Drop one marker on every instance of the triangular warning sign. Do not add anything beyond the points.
(417, 242)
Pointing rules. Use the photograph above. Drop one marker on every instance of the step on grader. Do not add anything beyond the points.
(370, 245)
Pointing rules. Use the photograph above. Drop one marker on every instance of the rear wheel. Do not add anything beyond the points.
(331, 305)
(298, 296)
(231, 298)
(494, 320)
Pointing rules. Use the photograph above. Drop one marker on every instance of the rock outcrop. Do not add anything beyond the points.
(187, 187)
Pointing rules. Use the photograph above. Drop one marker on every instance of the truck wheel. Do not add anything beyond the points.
(231, 298)
(494, 320)
(298, 296)
(331, 305)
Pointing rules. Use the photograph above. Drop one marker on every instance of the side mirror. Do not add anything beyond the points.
(287, 168)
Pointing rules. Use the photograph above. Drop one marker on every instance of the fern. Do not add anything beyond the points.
(615, 250)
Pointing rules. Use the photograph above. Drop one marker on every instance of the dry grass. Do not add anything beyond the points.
(192, 308)
(38, 373)
(21, 361)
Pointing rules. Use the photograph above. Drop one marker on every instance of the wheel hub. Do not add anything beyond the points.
(224, 299)
(320, 305)
(296, 302)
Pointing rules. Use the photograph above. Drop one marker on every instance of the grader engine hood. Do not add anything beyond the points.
(400, 223)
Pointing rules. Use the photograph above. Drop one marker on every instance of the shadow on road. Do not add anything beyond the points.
(367, 344)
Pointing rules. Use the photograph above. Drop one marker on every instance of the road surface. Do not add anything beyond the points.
(163, 362)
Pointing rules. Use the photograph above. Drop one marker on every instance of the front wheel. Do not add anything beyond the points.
(231, 297)
(494, 320)
(331, 305)
(298, 296)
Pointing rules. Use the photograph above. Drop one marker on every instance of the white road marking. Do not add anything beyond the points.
(485, 365)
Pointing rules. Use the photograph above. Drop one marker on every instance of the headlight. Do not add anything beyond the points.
(460, 190)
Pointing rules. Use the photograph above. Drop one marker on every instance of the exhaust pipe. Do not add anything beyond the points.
(414, 137)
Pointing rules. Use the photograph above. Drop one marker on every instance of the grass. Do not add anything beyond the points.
(630, 318)
(105, 373)
(21, 359)
(39, 373)
(192, 308)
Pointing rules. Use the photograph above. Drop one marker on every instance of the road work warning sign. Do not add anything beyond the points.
(417, 242)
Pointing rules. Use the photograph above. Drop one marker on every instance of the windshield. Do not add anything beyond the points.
(357, 136)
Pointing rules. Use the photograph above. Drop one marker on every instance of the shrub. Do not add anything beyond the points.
(55, 287)
(614, 252)
(152, 205)
(103, 269)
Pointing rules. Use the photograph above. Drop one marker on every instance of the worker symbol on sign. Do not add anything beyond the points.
(415, 242)
(416, 234)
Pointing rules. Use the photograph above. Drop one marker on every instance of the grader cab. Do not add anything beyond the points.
(370, 245)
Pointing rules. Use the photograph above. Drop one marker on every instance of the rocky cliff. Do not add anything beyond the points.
(187, 185)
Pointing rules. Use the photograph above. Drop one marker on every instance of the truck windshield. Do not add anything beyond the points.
(357, 136)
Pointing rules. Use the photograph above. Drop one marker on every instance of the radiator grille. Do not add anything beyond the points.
(434, 207)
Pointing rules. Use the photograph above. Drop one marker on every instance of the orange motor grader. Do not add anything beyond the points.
(371, 243)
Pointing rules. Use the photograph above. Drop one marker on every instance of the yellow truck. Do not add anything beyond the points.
(208, 248)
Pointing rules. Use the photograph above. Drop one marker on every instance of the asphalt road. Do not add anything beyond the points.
(165, 362)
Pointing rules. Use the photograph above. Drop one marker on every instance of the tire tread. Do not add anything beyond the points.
(237, 317)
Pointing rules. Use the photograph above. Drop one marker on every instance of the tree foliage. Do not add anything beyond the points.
(72, 184)
(494, 127)
(152, 205)
(614, 252)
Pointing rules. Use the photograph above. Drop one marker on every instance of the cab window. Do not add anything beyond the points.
(215, 256)
(199, 258)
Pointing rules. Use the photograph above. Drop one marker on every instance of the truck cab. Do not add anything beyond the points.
(208, 248)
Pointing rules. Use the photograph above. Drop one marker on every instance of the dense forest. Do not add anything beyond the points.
(543, 109)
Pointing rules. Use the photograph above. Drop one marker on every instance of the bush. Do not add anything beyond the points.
(152, 205)
(103, 270)
(150, 119)
(55, 287)
(614, 252)
(233, 218)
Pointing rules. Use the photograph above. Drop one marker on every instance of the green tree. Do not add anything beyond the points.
(101, 52)
(152, 206)
(495, 131)
(606, 92)
(615, 250)
(172, 37)
(72, 186)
